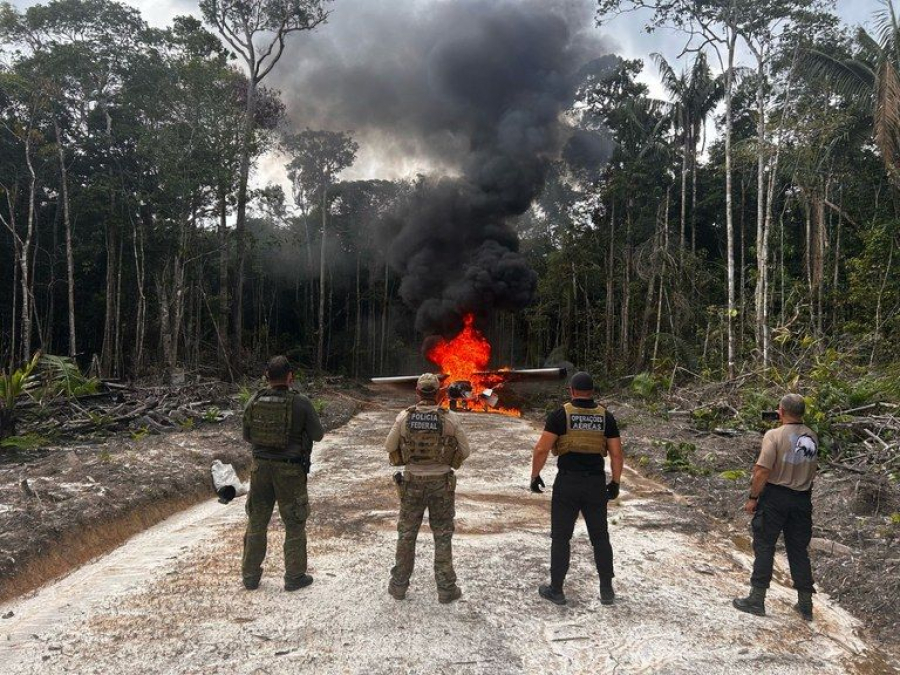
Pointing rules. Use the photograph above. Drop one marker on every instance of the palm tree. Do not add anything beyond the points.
(871, 76)
(694, 94)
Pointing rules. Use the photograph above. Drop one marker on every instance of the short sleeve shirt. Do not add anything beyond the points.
(791, 453)
(579, 461)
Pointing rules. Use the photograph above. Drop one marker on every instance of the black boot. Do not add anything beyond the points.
(804, 606)
(755, 603)
(553, 595)
(607, 594)
(297, 584)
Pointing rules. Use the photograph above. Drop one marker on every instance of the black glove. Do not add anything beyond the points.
(612, 490)
(537, 483)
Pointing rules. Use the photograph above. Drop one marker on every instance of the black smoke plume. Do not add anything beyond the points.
(479, 88)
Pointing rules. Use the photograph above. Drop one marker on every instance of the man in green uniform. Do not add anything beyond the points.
(430, 443)
(581, 434)
(282, 425)
(780, 500)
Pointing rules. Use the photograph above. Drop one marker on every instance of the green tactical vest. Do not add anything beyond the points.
(425, 441)
(585, 431)
(268, 417)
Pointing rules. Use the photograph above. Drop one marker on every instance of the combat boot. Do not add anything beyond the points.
(297, 584)
(396, 592)
(447, 597)
(804, 606)
(555, 596)
(251, 584)
(607, 594)
(755, 603)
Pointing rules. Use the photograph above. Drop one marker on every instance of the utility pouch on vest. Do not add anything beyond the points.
(451, 483)
(457, 459)
(585, 431)
(268, 418)
(424, 441)
(399, 484)
(396, 458)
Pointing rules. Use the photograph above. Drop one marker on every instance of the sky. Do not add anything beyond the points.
(341, 40)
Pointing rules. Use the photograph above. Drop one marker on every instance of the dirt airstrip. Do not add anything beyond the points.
(170, 601)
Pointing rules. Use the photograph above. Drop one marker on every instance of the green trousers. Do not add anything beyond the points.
(285, 484)
(437, 495)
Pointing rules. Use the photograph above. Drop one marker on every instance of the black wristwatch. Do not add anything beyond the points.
(756, 498)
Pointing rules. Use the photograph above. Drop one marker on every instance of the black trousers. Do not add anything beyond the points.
(574, 494)
(781, 509)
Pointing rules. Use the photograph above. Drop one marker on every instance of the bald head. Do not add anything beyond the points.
(793, 407)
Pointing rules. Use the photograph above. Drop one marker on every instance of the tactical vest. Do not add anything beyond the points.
(585, 431)
(268, 417)
(425, 440)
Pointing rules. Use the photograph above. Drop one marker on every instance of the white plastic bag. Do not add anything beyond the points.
(226, 482)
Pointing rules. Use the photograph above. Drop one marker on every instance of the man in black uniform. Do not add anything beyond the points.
(581, 433)
(282, 425)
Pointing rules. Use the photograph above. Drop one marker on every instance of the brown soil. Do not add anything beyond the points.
(849, 509)
(63, 506)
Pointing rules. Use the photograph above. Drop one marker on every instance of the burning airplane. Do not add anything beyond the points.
(463, 361)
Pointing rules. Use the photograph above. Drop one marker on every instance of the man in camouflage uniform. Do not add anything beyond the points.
(282, 425)
(430, 443)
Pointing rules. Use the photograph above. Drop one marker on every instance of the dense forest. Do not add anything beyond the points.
(748, 219)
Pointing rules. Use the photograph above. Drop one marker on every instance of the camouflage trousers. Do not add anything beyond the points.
(437, 495)
(274, 482)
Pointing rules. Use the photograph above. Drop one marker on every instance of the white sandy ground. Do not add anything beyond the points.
(170, 600)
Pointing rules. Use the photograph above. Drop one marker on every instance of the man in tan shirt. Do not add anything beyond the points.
(780, 501)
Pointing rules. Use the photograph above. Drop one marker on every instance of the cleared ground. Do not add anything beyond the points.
(170, 601)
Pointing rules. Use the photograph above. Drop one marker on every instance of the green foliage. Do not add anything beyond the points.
(140, 432)
(319, 404)
(895, 518)
(678, 457)
(63, 376)
(16, 383)
(645, 385)
(643, 461)
(30, 441)
(707, 418)
(211, 414)
(734, 475)
(187, 424)
(244, 395)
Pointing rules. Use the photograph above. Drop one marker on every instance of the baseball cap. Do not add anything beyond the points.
(582, 381)
(428, 383)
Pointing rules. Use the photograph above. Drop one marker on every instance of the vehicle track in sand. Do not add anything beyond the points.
(170, 601)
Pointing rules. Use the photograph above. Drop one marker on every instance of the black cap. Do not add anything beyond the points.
(582, 381)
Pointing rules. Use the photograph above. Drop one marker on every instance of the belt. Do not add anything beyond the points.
(407, 476)
(585, 472)
(286, 460)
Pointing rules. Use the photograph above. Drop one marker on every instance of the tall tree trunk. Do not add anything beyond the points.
(320, 349)
(729, 211)
(626, 283)
(357, 334)
(610, 286)
(385, 303)
(240, 228)
(224, 301)
(682, 241)
(760, 295)
(67, 224)
(24, 258)
(140, 270)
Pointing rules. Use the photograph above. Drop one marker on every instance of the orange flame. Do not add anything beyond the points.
(464, 357)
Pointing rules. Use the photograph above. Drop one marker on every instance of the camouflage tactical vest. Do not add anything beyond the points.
(585, 431)
(425, 440)
(268, 417)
